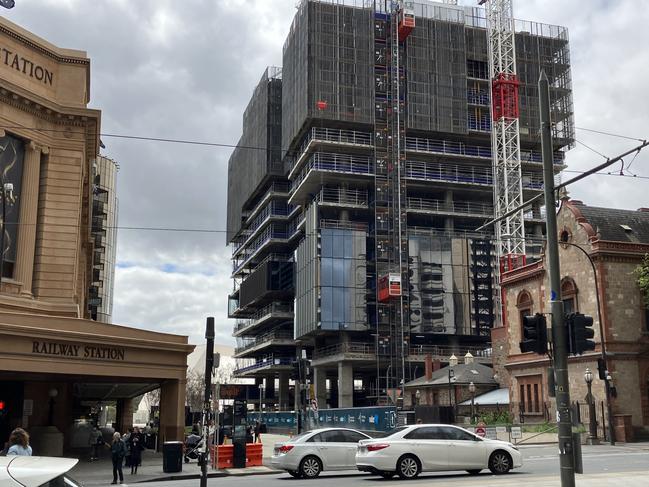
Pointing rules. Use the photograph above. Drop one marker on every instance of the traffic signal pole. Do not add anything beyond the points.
(566, 447)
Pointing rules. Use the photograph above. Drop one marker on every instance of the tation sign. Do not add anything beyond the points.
(25, 66)
(78, 351)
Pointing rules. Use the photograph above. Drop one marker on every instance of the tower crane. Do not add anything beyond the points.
(505, 135)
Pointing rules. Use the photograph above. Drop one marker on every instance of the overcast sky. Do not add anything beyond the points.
(186, 69)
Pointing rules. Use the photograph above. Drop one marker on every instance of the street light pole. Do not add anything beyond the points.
(592, 428)
(451, 373)
(607, 384)
(472, 391)
(559, 332)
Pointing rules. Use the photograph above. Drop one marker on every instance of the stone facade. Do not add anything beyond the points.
(48, 117)
(623, 312)
(49, 142)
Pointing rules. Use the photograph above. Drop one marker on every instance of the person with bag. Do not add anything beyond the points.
(118, 452)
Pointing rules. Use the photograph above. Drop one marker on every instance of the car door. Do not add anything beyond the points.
(332, 448)
(466, 451)
(351, 439)
(431, 447)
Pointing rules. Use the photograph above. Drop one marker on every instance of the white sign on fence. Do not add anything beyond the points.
(517, 433)
(501, 429)
(492, 434)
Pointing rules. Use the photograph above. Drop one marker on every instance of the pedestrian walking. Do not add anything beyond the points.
(136, 446)
(19, 443)
(95, 440)
(257, 432)
(127, 441)
(118, 452)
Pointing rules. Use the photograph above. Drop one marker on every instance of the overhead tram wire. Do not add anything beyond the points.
(231, 146)
(583, 175)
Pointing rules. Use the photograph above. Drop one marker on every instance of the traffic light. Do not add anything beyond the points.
(579, 333)
(535, 334)
(601, 368)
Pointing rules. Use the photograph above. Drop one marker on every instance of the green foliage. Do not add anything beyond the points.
(494, 417)
(642, 278)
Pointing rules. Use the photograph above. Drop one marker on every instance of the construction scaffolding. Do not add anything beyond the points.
(386, 124)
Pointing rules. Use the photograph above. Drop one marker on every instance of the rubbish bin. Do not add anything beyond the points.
(172, 456)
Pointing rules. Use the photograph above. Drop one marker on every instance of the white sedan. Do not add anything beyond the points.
(308, 454)
(23, 471)
(410, 450)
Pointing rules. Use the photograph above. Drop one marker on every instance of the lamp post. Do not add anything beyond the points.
(261, 398)
(592, 427)
(472, 391)
(451, 375)
(607, 379)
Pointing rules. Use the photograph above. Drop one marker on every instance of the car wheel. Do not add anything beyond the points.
(387, 475)
(500, 462)
(474, 472)
(294, 473)
(310, 467)
(408, 467)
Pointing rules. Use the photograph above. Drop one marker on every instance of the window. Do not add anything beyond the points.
(457, 434)
(569, 296)
(525, 306)
(61, 481)
(427, 433)
(530, 394)
(333, 436)
(352, 436)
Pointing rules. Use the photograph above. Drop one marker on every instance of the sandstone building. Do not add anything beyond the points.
(56, 363)
(616, 240)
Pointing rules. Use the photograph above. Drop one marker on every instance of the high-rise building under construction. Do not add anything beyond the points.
(363, 170)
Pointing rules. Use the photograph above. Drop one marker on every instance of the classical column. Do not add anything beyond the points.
(172, 410)
(28, 200)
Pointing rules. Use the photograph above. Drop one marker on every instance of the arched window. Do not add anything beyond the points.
(525, 307)
(569, 295)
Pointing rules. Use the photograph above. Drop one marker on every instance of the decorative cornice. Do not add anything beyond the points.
(530, 271)
(37, 47)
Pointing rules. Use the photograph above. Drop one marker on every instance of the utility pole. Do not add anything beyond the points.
(559, 335)
(209, 366)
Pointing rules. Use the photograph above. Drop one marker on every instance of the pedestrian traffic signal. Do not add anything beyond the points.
(535, 334)
(580, 332)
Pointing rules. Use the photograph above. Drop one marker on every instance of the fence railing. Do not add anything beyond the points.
(442, 206)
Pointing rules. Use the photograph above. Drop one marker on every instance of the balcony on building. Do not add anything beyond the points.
(323, 139)
(471, 209)
(358, 352)
(418, 353)
(262, 320)
(249, 347)
(329, 168)
(267, 364)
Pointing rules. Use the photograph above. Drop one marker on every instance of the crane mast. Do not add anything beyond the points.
(505, 135)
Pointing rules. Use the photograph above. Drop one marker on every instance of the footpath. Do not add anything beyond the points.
(99, 473)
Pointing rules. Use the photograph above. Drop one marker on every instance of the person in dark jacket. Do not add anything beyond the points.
(118, 452)
(136, 446)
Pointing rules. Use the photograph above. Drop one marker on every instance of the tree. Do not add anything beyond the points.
(642, 278)
(195, 390)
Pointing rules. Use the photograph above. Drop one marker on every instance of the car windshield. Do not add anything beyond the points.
(61, 481)
(395, 430)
